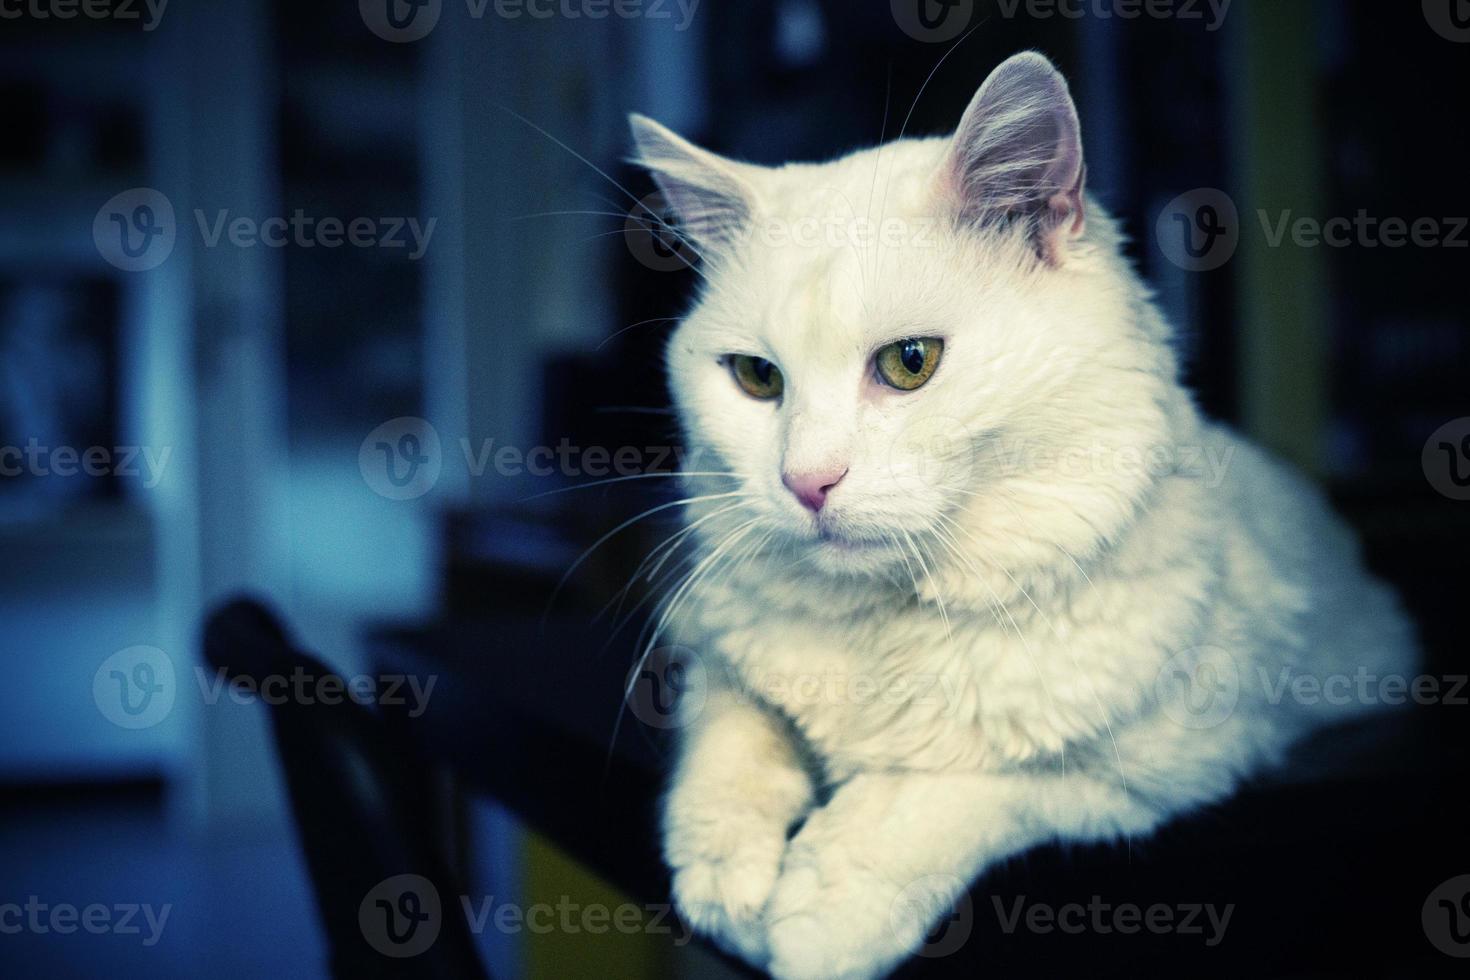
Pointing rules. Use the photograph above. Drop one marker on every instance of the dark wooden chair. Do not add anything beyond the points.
(367, 815)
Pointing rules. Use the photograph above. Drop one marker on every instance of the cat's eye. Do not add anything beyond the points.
(908, 364)
(758, 377)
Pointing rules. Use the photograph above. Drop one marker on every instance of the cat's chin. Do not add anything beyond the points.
(843, 544)
(840, 554)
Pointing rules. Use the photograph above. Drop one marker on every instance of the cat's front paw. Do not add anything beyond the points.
(724, 899)
(828, 922)
(833, 916)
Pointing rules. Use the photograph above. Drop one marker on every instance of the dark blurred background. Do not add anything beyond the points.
(238, 391)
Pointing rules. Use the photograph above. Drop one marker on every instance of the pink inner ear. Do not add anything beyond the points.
(1073, 203)
(1018, 154)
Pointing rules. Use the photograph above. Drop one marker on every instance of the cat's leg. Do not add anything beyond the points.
(738, 787)
(884, 860)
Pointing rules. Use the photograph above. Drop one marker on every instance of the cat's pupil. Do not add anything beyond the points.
(912, 356)
(762, 369)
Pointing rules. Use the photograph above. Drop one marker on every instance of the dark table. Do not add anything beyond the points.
(1324, 877)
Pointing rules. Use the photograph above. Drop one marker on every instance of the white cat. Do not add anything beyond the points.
(974, 573)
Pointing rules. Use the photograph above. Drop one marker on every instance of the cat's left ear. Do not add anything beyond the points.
(1017, 155)
(712, 197)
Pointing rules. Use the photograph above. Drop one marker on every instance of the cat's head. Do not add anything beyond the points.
(916, 349)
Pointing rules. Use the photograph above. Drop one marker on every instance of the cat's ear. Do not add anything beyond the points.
(711, 197)
(1017, 155)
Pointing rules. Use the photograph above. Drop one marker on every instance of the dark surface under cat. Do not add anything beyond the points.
(1329, 876)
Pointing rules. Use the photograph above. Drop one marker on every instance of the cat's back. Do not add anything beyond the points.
(1297, 567)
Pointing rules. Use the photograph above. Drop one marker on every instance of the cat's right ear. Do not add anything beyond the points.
(711, 196)
(1017, 156)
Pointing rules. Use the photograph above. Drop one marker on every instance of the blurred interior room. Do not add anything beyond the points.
(452, 263)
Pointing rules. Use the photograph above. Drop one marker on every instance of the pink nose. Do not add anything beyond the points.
(812, 488)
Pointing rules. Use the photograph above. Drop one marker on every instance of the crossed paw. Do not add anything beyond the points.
(800, 912)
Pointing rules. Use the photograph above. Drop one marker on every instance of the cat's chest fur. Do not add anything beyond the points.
(909, 687)
(861, 702)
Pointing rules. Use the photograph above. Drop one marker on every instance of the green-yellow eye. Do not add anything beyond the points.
(758, 377)
(908, 364)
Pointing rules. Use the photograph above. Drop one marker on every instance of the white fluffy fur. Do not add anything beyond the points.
(962, 658)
